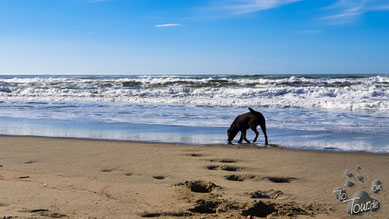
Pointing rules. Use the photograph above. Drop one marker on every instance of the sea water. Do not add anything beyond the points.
(338, 112)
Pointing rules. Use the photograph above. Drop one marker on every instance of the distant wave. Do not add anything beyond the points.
(320, 92)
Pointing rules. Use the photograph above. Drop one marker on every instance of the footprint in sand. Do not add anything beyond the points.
(231, 168)
(200, 186)
(223, 160)
(276, 179)
(24, 177)
(107, 170)
(166, 214)
(204, 206)
(224, 167)
(290, 210)
(3, 204)
(238, 178)
(195, 155)
(212, 167)
(46, 213)
(158, 177)
(31, 162)
(234, 178)
(271, 194)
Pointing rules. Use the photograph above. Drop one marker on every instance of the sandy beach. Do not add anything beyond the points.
(130, 109)
(77, 178)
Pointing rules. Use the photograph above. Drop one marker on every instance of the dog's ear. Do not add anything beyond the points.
(253, 111)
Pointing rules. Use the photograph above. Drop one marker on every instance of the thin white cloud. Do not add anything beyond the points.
(342, 15)
(251, 6)
(343, 11)
(167, 25)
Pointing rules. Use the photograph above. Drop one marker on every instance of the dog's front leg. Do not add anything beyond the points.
(241, 137)
(244, 136)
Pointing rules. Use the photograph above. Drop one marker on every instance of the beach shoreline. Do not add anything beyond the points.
(234, 144)
(79, 178)
(343, 112)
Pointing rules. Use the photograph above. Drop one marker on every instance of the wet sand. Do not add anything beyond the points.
(76, 178)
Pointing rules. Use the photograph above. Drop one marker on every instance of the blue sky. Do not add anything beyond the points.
(193, 36)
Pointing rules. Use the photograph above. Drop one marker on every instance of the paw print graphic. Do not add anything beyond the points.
(361, 200)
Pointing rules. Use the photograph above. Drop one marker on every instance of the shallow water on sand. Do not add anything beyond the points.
(298, 136)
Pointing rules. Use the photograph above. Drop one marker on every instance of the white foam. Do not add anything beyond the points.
(371, 93)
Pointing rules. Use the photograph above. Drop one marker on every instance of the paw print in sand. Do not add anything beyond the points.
(361, 200)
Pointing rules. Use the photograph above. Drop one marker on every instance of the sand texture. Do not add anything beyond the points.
(75, 178)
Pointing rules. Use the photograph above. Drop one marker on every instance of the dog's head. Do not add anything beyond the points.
(231, 133)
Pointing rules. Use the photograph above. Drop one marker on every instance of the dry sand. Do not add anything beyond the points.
(75, 178)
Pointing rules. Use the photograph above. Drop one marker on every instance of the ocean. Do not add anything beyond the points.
(325, 112)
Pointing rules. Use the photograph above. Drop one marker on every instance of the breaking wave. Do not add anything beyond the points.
(320, 92)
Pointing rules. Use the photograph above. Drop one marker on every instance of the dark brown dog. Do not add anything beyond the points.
(245, 121)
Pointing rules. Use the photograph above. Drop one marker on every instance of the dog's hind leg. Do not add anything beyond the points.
(256, 133)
